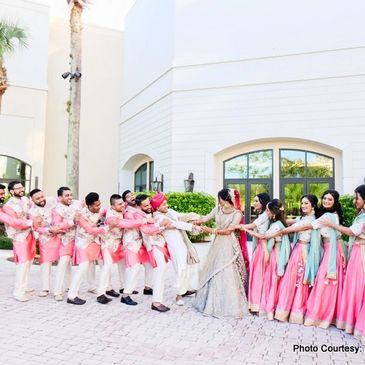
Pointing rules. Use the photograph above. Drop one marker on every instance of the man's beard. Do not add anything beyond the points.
(41, 204)
(18, 195)
(148, 211)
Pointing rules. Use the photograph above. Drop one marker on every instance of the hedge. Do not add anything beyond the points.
(349, 210)
(5, 243)
(200, 203)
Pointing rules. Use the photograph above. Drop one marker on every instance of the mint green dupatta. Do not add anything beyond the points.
(314, 257)
(284, 251)
(359, 219)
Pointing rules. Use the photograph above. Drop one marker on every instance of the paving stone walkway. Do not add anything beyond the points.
(43, 331)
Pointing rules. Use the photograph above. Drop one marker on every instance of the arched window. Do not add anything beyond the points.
(251, 174)
(143, 177)
(303, 172)
(14, 169)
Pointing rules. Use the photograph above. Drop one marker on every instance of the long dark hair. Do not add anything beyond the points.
(314, 202)
(276, 208)
(224, 195)
(263, 198)
(361, 191)
(337, 208)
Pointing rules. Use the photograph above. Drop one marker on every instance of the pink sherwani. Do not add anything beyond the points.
(88, 236)
(112, 239)
(18, 228)
(135, 251)
(48, 243)
(63, 217)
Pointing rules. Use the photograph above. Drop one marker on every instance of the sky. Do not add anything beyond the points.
(104, 13)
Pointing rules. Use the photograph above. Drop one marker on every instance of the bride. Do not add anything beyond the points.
(223, 279)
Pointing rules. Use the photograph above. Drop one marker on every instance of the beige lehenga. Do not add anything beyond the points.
(223, 279)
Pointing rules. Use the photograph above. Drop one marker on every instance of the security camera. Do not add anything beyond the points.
(77, 74)
(65, 75)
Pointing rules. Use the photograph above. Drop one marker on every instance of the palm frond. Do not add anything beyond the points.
(10, 32)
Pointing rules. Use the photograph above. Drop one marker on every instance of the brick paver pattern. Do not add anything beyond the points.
(43, 331)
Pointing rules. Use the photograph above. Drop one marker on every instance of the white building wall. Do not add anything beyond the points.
(102, 83)
(246, 73)
(23, 114)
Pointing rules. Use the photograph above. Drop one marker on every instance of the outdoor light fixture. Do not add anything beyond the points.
(76, 75)
(157, 184)
(189, 183)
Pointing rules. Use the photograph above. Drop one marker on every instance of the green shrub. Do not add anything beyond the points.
(199, 203)
(5, 243)
(349, 211)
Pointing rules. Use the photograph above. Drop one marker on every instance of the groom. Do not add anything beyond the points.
(182, 253)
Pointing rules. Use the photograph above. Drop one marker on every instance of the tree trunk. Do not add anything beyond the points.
(72, 168)
(3, 83)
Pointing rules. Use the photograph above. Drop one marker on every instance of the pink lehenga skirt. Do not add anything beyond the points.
(293, 293)
(359, 331)
(256, 277)
(324, 300)
(269, 296)
(353, 295)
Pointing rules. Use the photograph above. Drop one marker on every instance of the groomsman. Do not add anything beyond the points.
(180, 248)
(156, 247)
(112, 249)
(2, 194)
(19, 229)
(132, 241)
(88, 239)
(63, 216)
(45, 234)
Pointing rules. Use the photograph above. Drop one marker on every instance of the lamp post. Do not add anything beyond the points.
(189, 183)
(157, 184)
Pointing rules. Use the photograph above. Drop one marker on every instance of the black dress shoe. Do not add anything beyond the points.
(148, 291)
(112, 293)
(102, 299)
(122, 290)
(189, 292)
(160, 308)
(76, 301)
(128, 300)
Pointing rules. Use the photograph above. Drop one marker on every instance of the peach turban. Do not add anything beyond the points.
(157, 200)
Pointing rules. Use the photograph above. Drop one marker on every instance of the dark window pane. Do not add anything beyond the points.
(140, 178)
(292, 194)
(319, 165)
(242, 189)
(260, 165)
(292, 163)
(236, 168)
(151, 175)
(318, 189)
(254, 190)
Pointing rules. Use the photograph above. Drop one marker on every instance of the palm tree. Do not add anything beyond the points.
(10, 36)
(72, 165)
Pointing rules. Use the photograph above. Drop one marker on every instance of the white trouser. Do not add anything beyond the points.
(85, 268)
(159, 275)
(148, 274)
(46, 275)
(22, 271)
(105, 273)
(121, 273)
(179, 254)
(131, 277)
(63, 274)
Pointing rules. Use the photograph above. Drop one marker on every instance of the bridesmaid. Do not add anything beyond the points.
(258, 263)
(325, 297)
(277, 255)
(353, 294)
(293, 288)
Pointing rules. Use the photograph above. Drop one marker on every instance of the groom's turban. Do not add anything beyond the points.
(157, 200)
